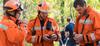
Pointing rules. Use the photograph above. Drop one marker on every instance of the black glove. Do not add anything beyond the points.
(49, 25)
(18, 22)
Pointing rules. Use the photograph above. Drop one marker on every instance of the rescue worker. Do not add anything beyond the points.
(87, 26)
(42, 31)
(12, 31)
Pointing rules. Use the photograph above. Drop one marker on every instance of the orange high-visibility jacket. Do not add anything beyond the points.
(10, 34)
(90, 27)
(37, 27)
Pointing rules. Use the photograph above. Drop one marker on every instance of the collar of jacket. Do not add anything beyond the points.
(89, 9)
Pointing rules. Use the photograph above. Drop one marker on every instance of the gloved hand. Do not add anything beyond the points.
(53, 37)
(33, 39)
(78, 38)
(46, 37)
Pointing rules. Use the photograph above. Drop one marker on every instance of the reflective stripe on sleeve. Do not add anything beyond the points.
(4, 27)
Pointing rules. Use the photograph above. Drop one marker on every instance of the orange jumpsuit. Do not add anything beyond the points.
(39, 33)
(10, 34)
(89, 26)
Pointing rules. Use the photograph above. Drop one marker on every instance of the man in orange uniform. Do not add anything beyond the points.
(42, 31)
(11, 28)
(87, 26)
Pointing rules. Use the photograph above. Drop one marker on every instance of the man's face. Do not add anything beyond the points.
(43, 15)
(15, 13)
(80, 9)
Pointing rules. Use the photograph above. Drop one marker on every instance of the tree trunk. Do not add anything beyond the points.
(4, 1)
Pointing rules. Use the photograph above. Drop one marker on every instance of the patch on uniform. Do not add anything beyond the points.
(3, 27)
(88, 21)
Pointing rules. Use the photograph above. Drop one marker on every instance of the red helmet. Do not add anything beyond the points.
(12, 5)
(43, 7)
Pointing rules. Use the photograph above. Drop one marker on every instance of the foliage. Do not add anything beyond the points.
(59, 9)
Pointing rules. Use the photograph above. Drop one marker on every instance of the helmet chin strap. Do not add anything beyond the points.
(40, 17)
(11, 14)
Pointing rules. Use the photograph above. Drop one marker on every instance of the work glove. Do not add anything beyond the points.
(49, 26)
(78, 38)
(46, 37)
(53, 37)
(33, 39)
